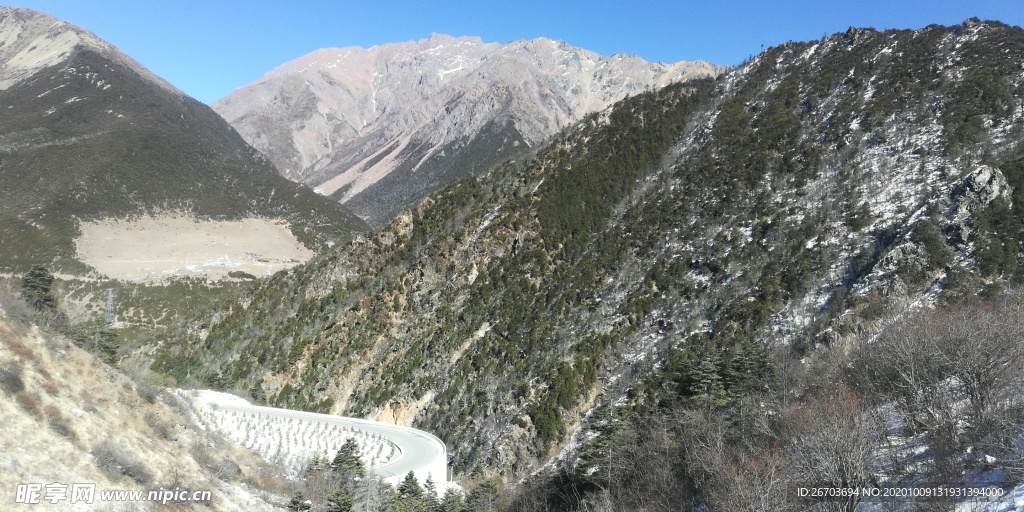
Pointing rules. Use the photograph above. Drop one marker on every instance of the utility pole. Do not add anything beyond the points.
(110, 307)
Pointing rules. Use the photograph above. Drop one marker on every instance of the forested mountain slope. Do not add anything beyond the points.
(687, 244)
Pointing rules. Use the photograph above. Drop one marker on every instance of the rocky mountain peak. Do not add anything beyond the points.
(357, 124)
(31, 41)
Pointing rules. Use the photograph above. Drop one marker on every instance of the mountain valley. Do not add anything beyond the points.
(612, 285)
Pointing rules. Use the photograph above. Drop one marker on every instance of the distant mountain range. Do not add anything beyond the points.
(380, 128)
(86, 133)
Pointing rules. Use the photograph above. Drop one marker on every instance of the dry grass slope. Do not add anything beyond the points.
(68, 418)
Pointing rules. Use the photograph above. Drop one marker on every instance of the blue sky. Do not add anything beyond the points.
(209, 48)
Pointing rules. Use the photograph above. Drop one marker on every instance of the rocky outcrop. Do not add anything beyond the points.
(974, 192)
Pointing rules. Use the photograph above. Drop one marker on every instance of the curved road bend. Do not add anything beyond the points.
(421, 452)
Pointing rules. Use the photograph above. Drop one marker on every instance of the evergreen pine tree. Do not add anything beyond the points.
(410, 487)
(430, 494)
(299, 503)
(483, 497)
(37, 288)
(747, 368)
(347, 460)
(708, 389)
(316, 465)
(340, 501)
(452, 502)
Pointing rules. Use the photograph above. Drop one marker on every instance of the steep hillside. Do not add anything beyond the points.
(71, 419)
(87, 134)
(379, 129)
(663, 248)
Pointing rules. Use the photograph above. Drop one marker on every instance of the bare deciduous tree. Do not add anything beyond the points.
(831, 443)
(955, 373)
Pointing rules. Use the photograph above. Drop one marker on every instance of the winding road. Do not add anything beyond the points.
(421, 452)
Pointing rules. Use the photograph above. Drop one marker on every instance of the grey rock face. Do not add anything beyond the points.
(972, 194)
(343, 120)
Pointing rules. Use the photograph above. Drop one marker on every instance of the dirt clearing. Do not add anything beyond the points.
(160, 248)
